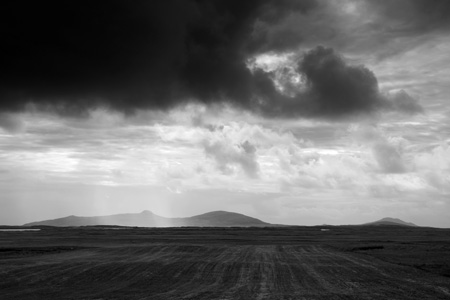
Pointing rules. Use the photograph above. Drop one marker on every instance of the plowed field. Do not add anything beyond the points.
(138, 264)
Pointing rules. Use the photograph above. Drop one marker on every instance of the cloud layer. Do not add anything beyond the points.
(283, 170)
(130, 55)
(144, 54)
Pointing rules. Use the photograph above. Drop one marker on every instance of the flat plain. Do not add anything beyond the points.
(327, 262)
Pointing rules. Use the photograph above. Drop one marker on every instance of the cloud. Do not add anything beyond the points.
(435, 166)
(388, 158)
(337, 88)
(130, 55)
(315, 163)
(321, 84)
(386, 150)
(402, 101)
(12, 123)
(413, 17)
(226, 155)
(157, 55)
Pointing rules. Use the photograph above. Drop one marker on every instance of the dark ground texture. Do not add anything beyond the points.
(346, 262)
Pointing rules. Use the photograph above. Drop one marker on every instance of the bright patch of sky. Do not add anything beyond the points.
(297, 172)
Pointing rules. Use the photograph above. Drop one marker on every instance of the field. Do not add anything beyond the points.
(347, 262)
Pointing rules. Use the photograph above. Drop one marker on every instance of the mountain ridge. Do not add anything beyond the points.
(147, 218)
(391, 221)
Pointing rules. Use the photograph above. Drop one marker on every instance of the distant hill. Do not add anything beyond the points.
(222, 219)
(149, 219)
(391, 221)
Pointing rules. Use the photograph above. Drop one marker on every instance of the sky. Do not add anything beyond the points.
(294, 112)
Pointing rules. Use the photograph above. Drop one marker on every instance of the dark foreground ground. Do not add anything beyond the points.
(233, 263)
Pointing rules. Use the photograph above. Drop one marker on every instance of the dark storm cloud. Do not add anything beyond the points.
(334, 89)
(129, 54)
(73, 55)
(335, 86)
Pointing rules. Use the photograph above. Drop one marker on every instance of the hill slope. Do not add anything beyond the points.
(391, 221)
(222, 219)
(149, 219)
